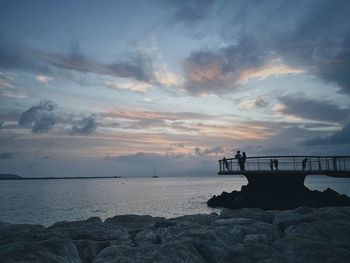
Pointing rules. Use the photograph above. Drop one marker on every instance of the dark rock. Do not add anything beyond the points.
(146, 237)
(278, 200)
(252, 213)
(30, 243)
(167, 253)
(134, 223)
(243, 235)
(90, 229)
(88, 249)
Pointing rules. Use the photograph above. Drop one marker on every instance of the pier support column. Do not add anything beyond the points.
(275, 182)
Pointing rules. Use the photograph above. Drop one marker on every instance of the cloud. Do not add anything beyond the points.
(1, 123)
(85, 126)
(136, 86)
(209, 151)
(306, 108)
(7, 155)
(43, 125)
(221, 71)
(137, 66)
(154, 115)
(6, 81)
(44, 79)
(9, 87)
(305, 36)
(189, 11)
(338, 137)
(39, 118)
(260, 102)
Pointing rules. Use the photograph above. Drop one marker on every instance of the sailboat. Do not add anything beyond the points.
(155, 174)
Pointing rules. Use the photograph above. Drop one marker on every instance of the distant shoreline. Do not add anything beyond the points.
(58, 178)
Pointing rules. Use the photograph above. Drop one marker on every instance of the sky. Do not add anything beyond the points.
(118, 88)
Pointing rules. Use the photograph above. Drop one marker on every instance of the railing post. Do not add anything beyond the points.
(258, 165)
(319, 163)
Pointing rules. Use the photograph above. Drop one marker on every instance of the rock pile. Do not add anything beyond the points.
(241, 235)
(278, 200)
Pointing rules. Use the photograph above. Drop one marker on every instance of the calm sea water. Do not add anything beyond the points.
(47, 201)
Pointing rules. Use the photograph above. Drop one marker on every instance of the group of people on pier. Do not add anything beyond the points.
(242, 158)
(273, 162)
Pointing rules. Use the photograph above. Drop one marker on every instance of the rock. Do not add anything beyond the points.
(304, 215)
(91, 229)
(134, 223)
(250, 253)
(164, 235)
(252, 213)
(278, 200)
(167, 253)
(195, 219)
(49, 250)
(146, 237)
(244, 235)
(88, 249)
(297, 249)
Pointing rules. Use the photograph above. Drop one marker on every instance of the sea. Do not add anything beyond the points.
(48, 201)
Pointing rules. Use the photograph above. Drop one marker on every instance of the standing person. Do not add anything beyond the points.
(226, 163)
(239, 158)
(244, 159)
(275, 161)
(303, 163)
(271, 164)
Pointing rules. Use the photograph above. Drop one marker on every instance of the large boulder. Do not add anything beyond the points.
(134, 223)
(247, 198)
(90, 229)
(167, 253)
(32, 243)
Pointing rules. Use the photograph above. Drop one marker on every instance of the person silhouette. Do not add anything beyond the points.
(239, 158)
(271, 164)
(303, 163)
(275, 162)
(226, 163)
(244, 159)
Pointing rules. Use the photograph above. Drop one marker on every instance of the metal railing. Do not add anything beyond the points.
(286, 163)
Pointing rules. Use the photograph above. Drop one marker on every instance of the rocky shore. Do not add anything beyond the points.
(241, 235)
(278, 200)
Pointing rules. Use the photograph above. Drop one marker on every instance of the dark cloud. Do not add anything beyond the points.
(7, 155)
(177, 145)
(209, 151)
(43, 125)
(307, 108)
(338, 137)
(15, 57)
(39, 118)
(138, 66)
(1, 123)
(260, 102)
(220, 71)
(311, 35)
(85, 126)
(190, 11)
(320, 41)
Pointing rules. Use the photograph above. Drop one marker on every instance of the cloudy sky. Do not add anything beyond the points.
(103, 88)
